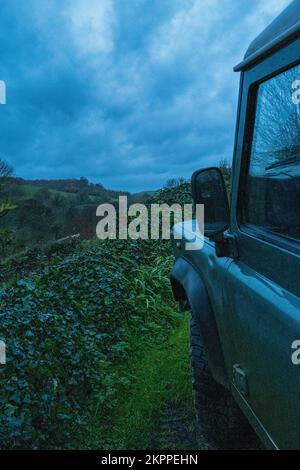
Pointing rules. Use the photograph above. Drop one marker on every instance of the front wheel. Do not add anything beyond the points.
(217, 413)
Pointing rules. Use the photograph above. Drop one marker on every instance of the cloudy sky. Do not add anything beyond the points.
(128, 93)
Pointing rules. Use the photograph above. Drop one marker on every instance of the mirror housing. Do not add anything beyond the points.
(208, 188)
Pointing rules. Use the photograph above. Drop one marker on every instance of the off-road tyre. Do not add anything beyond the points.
(217, 413)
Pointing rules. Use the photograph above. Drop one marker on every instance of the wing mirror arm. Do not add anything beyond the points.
(226, 245)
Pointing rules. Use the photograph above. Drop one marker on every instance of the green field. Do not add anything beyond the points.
(29, 191)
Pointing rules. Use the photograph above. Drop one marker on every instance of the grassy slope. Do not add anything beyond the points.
(29, 191)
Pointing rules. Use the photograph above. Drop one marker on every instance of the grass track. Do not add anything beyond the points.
(158, 376)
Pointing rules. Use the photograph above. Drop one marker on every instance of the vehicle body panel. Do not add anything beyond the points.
(264, 288)
(255, 298)
(283, 29)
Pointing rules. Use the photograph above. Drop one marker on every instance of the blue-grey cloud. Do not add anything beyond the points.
(126, 92)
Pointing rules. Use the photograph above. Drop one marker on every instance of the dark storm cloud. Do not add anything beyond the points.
(127, 92)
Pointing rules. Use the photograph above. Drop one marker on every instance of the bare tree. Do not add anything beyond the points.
(225, 167)
(174, 183)
(6, 170)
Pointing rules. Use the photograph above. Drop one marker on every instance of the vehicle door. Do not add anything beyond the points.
(263, 285)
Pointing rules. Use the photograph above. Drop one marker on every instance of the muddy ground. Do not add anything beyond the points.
(176, 431)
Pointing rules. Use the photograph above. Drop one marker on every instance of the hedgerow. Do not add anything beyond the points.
(64, 328)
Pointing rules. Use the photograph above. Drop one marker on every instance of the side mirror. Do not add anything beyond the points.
(208, 188)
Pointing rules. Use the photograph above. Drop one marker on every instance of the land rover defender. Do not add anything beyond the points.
(243, 286)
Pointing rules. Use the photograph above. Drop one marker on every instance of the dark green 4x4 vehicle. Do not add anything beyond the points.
(243, 286)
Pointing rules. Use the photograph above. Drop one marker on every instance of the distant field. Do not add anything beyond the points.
(30, 191)
(23, 190)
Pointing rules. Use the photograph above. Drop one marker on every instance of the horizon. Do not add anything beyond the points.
(29, 180)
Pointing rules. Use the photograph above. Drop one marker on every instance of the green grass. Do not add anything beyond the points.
(29, 191)
(155, 372)
(158, 375)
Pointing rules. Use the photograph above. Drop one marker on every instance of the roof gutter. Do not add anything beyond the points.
(270, 47)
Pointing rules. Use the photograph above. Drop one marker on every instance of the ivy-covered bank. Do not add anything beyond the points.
(72, 329)
(65, 329)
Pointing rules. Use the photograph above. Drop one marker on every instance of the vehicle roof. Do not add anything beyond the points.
(283, 29)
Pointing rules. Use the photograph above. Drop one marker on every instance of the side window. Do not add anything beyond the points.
(272, 200)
